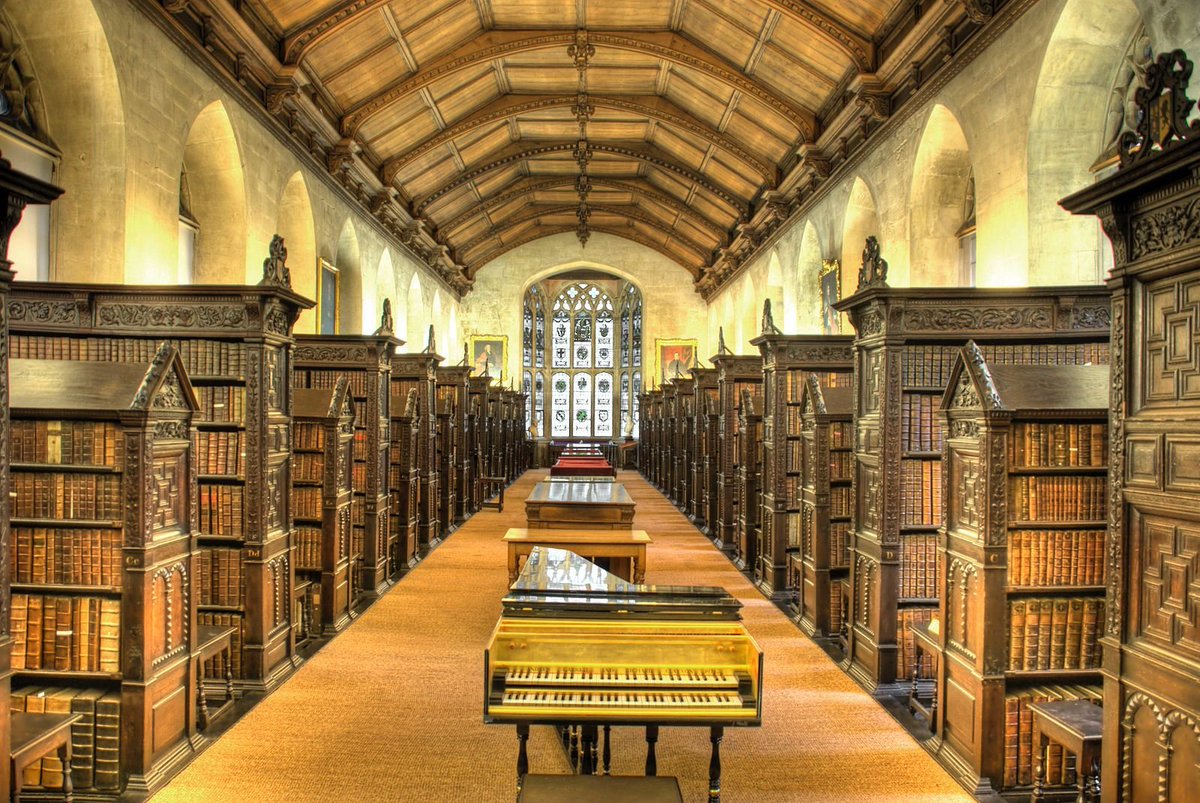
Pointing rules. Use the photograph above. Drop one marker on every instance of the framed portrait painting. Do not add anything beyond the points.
(831, 293)
(488, 355)
(675, 358)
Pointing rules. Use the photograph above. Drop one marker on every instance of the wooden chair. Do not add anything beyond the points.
(489, 486)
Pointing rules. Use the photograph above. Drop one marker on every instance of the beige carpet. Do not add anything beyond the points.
(392, 708)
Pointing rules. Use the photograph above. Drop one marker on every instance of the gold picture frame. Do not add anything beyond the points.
(488, 353)
(829, 285)
(675, 356)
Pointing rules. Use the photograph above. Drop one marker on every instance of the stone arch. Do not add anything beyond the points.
(385, 288)
(348, 261)
(84, 115)
(775, 290)
(416, 318)
(1066, 127)
(747, 316)
(803, 301)
(727, 322)
(214, 184)
(298, 228)
(439, 329)
(940, 179)
(453, 337)
(860, 222)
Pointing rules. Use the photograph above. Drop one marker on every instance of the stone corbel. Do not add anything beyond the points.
(381, 199)
(340, 156)
(871, 96)
(279, 92)
(978, 11)
(412, 232)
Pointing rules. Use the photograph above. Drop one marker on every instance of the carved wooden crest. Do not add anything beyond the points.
(768, 321)
(1163, 107)
(386, 322)
(873, 270)
(275, 269)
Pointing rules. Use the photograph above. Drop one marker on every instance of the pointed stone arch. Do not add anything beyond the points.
(860, 222)
(803, 299)
(417, 319)
(385, 288)
(298, 228)
(775, 289)
(213, 187)
(439, 329)
(941, 176)
(348, 260)
(84, 115)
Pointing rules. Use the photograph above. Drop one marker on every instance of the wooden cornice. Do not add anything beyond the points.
(638, 187)
(493, 45)
(537, 211)
(300, 40)
(856, 45)
(651, 106)
(522, 151)
(540, 232)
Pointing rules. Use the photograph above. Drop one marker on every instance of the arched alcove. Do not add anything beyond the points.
(1067, 136)
(417, 318)
(85, 117)
(938, 228)
(727, 323)
(213, 188)
(774, 290)
(861, 221)
(747, 316)
(385, 288)
(439, 324)
(453, 337)
(803, 299)
(298, 229)
(349, 268)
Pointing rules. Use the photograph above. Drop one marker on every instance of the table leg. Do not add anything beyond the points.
(522, 756)
(227, 663)
(201, 699)
(1089, 790)
(64, 755)
(513, 563)
(1039, 771)
(607, 750)
(639, 568)
(651, 759)
(714, 765)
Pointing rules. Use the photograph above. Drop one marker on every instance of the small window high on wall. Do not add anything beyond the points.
(327, 304)
(966, 236)
(29, 245)
(189, 232)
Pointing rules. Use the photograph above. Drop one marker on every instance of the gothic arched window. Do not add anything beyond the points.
(593, 376)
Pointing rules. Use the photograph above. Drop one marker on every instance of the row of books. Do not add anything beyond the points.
(1020, 753)
(308, 547)
(66, 556)
(317, 378)
(1054, 633)
(358, 478)
(1055, 557)
(219, 572)
(1071, 498)
(220, 453)
(921, 492)
(795, 456)
(793, 419)
(77, 634)
(1058, 445)
(306, 502)
(221, 510)
(221, 404)
(308, 467)
(841, 501)
(841, 466)
(77, 443)
(837, 590)
(66, 496)
(918, 566)
(841, 435)
(95, 737)
(920, 422)
(839, 544)
(906, 652)
(929, 366)
(200, 357)
(308, 436)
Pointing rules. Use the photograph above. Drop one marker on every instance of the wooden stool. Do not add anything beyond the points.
(489, 486)
(1077, 726)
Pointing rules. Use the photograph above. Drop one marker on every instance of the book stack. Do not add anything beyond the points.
(1058, 445)
(59, 556)
(81, 443)
(95, 737)
(308, 547)
(921, 426)
(1056, 557)
(1054, 633)
(220, 452)
(82, 497)
(921, 501)
(222, 404)
(1019, 750)
(1057, 498)
(918, 566)
(219, 576)
(221, 510)
(69, 634)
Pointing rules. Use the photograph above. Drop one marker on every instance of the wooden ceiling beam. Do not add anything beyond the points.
(856, 45)
(538, 211)
(638, 187)
(651, 106)
(623, 232)
(492, 45)
(297, 42)
(522, 151)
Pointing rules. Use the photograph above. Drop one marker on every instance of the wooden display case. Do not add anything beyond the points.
(453, 388)
(906, 342)
(404, 482)
(1148, 209)
(104, 585)
(747, 450)
(684, 437)
(820, 460)
(417, 371)
(365, 361)
(1021, 560)
(735, 373)
(236, 344)
(704, 399)
(323, 443)
(477, 391)
(786, 361)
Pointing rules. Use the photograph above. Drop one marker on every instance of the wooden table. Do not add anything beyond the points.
(599, 789)
(214, 643)
(592, 505)
(582, 467)
(33, 737)
(925, 640)
(625, 548)
(1077, 726)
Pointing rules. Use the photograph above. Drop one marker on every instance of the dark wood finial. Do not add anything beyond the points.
(386, 322)
(721, 347)
(275, 269)
(873, 270)
(768, 321)
(1163, 107)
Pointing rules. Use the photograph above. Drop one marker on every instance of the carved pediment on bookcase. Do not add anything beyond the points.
(322, 352)
(166, 386)
(813, 400)
(971, 387)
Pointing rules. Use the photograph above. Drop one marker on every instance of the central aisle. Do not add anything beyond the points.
(392, 708)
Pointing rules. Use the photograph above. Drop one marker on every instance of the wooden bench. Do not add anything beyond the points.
(626, 549)
(599, 789)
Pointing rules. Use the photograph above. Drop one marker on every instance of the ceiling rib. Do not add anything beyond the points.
(544, 231)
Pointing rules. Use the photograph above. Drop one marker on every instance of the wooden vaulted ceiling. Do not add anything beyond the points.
(476, 111)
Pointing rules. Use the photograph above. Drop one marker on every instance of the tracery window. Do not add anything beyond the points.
(594, 372)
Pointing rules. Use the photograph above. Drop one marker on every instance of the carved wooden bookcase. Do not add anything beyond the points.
(323, 443)
(236, 343)
(735, 373)
(747, 440)
(404, 482)
(494, 447)
(703, 383)
(1020, 560)
(418, 370)
(445, 457)
(786, 361)
(453, 386)
(671, 412)
(1150, 210)
(685, 442)
(819, 461)
(651, 410)
(477, 391)
(905, 343)
(104, 522)
(365, 361)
